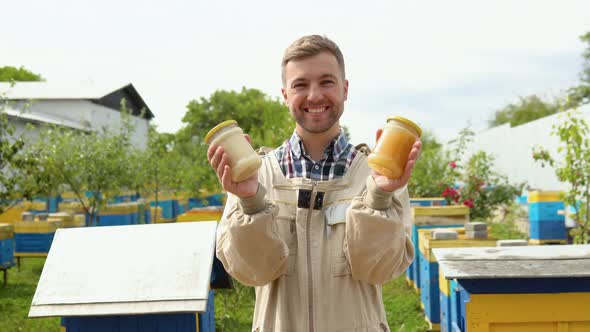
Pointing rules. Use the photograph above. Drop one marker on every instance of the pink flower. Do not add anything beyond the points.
(469, 203)
(453, 164)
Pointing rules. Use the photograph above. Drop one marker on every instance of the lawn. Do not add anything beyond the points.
(15, 300)
(233, 308)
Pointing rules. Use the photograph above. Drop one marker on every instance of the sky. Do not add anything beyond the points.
(445, 65)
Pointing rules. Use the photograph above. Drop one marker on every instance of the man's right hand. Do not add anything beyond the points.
(219, 160)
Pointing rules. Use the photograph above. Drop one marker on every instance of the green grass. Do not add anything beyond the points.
(16, 298)
(233, 308)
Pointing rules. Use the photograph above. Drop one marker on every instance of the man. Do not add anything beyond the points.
(316, 231)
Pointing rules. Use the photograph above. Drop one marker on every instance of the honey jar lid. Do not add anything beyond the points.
(217, 128)
(407, 122)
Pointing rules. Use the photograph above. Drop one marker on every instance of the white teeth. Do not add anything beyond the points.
(316, 110)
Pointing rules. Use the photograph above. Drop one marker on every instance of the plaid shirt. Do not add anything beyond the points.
(294, 161)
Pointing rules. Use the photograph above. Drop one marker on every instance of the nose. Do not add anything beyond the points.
(315, 93)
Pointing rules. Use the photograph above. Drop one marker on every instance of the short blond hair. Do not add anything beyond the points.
(311, 45)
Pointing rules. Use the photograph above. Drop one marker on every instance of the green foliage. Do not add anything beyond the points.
(10, 147)
(234, 308)
(430, 175)
(13, 74)
(585, 75)
(91, 164)
(266, 120)
(572, 166)
(527, 109)
(480, 188)
(484, 190)
(505, 227)
(580, 95)
(16, 297)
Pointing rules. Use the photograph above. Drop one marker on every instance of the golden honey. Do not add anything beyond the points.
(390, 155)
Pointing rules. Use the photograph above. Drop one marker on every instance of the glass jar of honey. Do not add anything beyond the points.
(244, 162)
(391, 152)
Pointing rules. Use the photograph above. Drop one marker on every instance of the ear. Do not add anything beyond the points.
(345, 89)
(284, 93)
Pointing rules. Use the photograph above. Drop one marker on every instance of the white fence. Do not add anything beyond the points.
(512, 149)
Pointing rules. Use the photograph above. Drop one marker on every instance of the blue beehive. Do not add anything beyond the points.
(429, 269)
(427, 218)
(34, 237)
(169, 208)
(537, 288)
(546, 211)
(546, 217)
(428, 201)
(413, 271)
(6, 246)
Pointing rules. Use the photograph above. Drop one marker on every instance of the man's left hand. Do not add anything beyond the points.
(387, 184)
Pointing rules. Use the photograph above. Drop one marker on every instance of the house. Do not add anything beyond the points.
(81, 106)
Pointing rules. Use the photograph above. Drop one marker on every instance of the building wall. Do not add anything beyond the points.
(86, 114)
(512, 149)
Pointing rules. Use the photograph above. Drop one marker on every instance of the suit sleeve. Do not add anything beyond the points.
(377, 244)
(248, 243)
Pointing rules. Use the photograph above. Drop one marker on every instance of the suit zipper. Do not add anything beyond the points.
(308, 251)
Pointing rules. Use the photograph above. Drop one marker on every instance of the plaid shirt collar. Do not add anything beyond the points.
(336, 147)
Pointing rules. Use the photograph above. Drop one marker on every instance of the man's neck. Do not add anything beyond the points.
(315, 143)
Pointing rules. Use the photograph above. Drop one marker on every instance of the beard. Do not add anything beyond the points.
(317, 125)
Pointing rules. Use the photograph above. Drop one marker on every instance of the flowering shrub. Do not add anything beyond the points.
(479, 187)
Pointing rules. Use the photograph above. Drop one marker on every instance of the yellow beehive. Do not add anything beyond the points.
(6, 231)
(36, 226)
(13, 213)
(545, 196)
(202, 214)
(73, 207)
(440, 215)
(68, 220)
(63, 217)
(121, 208)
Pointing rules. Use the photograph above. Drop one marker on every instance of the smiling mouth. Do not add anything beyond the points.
(316, 109)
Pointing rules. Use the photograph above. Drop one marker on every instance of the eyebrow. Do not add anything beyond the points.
(324, 76)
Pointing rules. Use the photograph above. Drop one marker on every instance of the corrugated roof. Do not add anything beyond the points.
(98, 93)
(43, 118)
(47, 90)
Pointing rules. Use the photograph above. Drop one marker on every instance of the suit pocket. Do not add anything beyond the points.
(287, 226)
(336, 232)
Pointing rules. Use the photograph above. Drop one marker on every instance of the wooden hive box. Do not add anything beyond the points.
(526, 289)
(432, 217)
(429, 269)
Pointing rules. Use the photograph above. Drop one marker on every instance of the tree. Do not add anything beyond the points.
(572, 166)
(266, 120)
(527, 109)
(10, 146)
(429, 176)
(580, 95)
(91, 164)
(13, 74)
